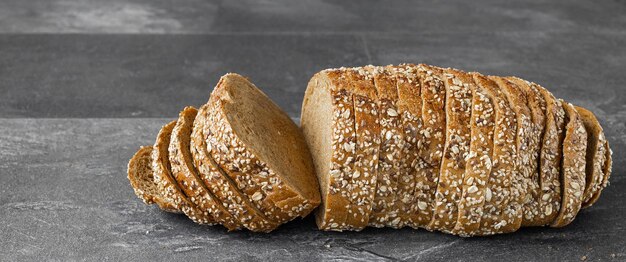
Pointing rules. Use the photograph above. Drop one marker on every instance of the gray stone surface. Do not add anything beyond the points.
(113, 71)
(65, 196)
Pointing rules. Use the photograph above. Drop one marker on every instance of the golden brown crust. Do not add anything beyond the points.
(478, 165)
(458, 130)
(384, 208)
(410, 110)
(607, 168)
(521, 178)
(167, 184)
(573, 172)
(433, 136)
(186, 174)
(224, 189)
(537, 106)
(497, 216)
(596, 155)
(362, 182)
(333, 212)
(550, 159)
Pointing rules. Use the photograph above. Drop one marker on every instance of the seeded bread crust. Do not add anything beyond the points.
(550, 159)
(410, 110)
(255, 178)
(433, 94)
(573, 173)
(222, 186)
(497, 216)
(607, 168)
(478, 165)
(141, 178)
(537, 106)
(384, 207)
(166, 182)
(595, 156)
(362, 183)
(521, 177)
(224, 189)
(333, 212)
(458, 130)
(186, 174)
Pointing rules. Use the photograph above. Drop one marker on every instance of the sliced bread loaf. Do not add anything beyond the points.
(141, 178)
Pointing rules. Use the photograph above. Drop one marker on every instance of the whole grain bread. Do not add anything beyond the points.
(497, 216)
(261, 149)
(186, 174)
(595, 156)
(457, 142)
(573, 172)
(221, 185)
(141, 178)
(166, 183)
(479, 162)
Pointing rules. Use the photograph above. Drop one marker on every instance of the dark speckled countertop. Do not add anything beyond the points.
(84, 83)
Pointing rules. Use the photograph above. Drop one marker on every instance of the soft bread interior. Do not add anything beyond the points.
(316, 123)
(270, 134)
(141, 179)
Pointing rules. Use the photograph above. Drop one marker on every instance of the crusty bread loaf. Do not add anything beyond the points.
(391, 146)
(141, 179)
(186, 173)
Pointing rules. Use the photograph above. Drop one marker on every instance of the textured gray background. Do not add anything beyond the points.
(84, 83)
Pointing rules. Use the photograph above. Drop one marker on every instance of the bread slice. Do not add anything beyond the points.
(410, 110)
(362, 183)
(573, 172)
(327, 122)
(384, 207)
(167, 185)
(220, 184)
(433, 95)
(141, 179)
(595, 156)
(497, 217)
(537, 106)
(607, 168)
(186, 174)
(521, 176)
(261, 149)
(479, 159)
(550, 159)
(458, 130)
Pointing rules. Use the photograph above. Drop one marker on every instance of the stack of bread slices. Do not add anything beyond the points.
(446, 150)
(238, 161)
(395, 146)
